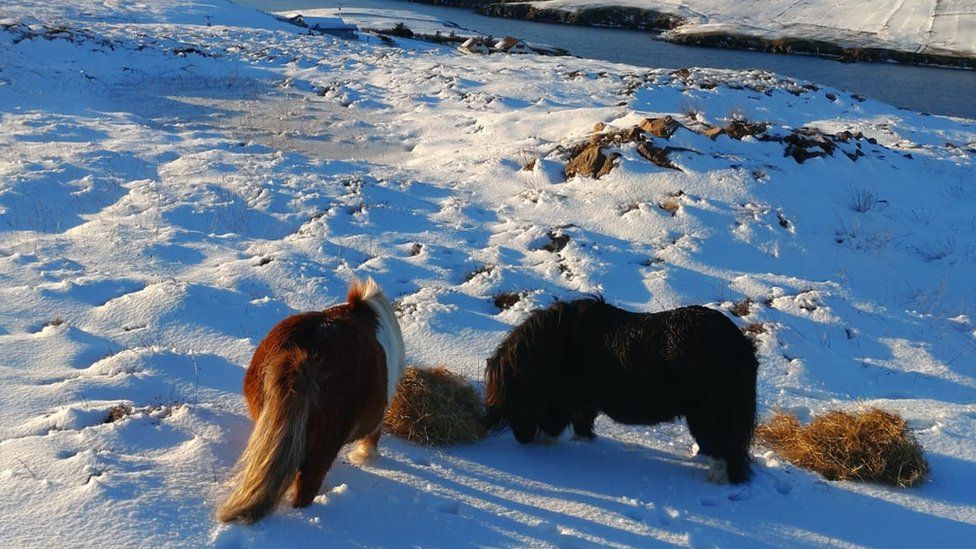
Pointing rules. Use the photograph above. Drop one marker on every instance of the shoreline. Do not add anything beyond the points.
(665, 25)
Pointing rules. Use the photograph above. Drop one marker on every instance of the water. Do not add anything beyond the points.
(927, 89)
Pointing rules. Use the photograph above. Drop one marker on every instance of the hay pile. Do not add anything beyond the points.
(871, 445)
(435, 407)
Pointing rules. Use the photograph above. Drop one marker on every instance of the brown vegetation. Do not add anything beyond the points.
(506, 300)
(670, 205)
(754, 328)
(742, 308)
(868, 445)
(119, 411)
(435, 407)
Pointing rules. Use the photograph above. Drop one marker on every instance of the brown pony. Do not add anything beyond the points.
(317, 381)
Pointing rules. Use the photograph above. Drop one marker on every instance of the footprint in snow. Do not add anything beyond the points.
(56, 380)
(709, 502)
(451, 507)
(741, 494)
(635, 513)
(667, 516)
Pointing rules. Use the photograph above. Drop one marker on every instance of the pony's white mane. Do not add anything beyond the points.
(387, 330)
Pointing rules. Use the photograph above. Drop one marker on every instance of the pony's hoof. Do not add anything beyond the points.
(718, 471)
(363, 454)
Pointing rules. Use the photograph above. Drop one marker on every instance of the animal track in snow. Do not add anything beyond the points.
(709, 502)
(635, 513)
(742, 494)
(450, 507)
(665, 516)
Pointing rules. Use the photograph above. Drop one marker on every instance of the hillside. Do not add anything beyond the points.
(922, 31)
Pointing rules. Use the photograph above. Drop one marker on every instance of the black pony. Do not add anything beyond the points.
(568, 363)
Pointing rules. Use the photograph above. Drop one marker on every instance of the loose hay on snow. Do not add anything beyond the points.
(435, 407)
(871, 445)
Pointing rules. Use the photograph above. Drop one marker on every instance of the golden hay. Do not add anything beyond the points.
(871, 445)
(435, 407)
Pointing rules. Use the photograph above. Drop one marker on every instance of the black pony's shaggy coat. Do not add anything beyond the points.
(566, 364)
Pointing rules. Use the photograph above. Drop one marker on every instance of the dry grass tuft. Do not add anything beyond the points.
(754, 328)
(119, 411)
(506, 300)
(871, 445)
(742, 308)
(670, 205)
(435, 407)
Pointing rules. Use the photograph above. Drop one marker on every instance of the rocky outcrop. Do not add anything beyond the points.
(819, 48)
(603, 16)
(587, 159)
(590, 161)
(656, 155)
(626, 17)
(662, 127)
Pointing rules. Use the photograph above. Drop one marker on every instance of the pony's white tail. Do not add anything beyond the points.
(275, 449)
(388, 333)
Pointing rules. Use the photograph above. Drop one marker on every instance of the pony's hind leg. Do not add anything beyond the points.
(319, 455)
(737, 467)
(524, 431)
(583, 424)
(726, 447)
(553, 424)
(365, 448)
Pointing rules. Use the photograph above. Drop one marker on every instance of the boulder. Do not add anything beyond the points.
(656, 155)
(712, 132)
(662, 127)
(737, 129)
(591, 162)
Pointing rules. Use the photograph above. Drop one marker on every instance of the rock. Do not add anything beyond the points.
(737, 129)
(618, 137)
(656, 155)
(590, 162)
(662, 127)
(608, 165)
(712, 132)
(802, 145)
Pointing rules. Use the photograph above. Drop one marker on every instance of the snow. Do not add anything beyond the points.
(922, 26)
(179, 175)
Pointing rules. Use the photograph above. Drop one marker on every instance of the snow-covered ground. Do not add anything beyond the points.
(937, 27)
(179, 175)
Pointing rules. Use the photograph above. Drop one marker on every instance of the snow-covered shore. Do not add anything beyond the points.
(179, 175)
(922, 32)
